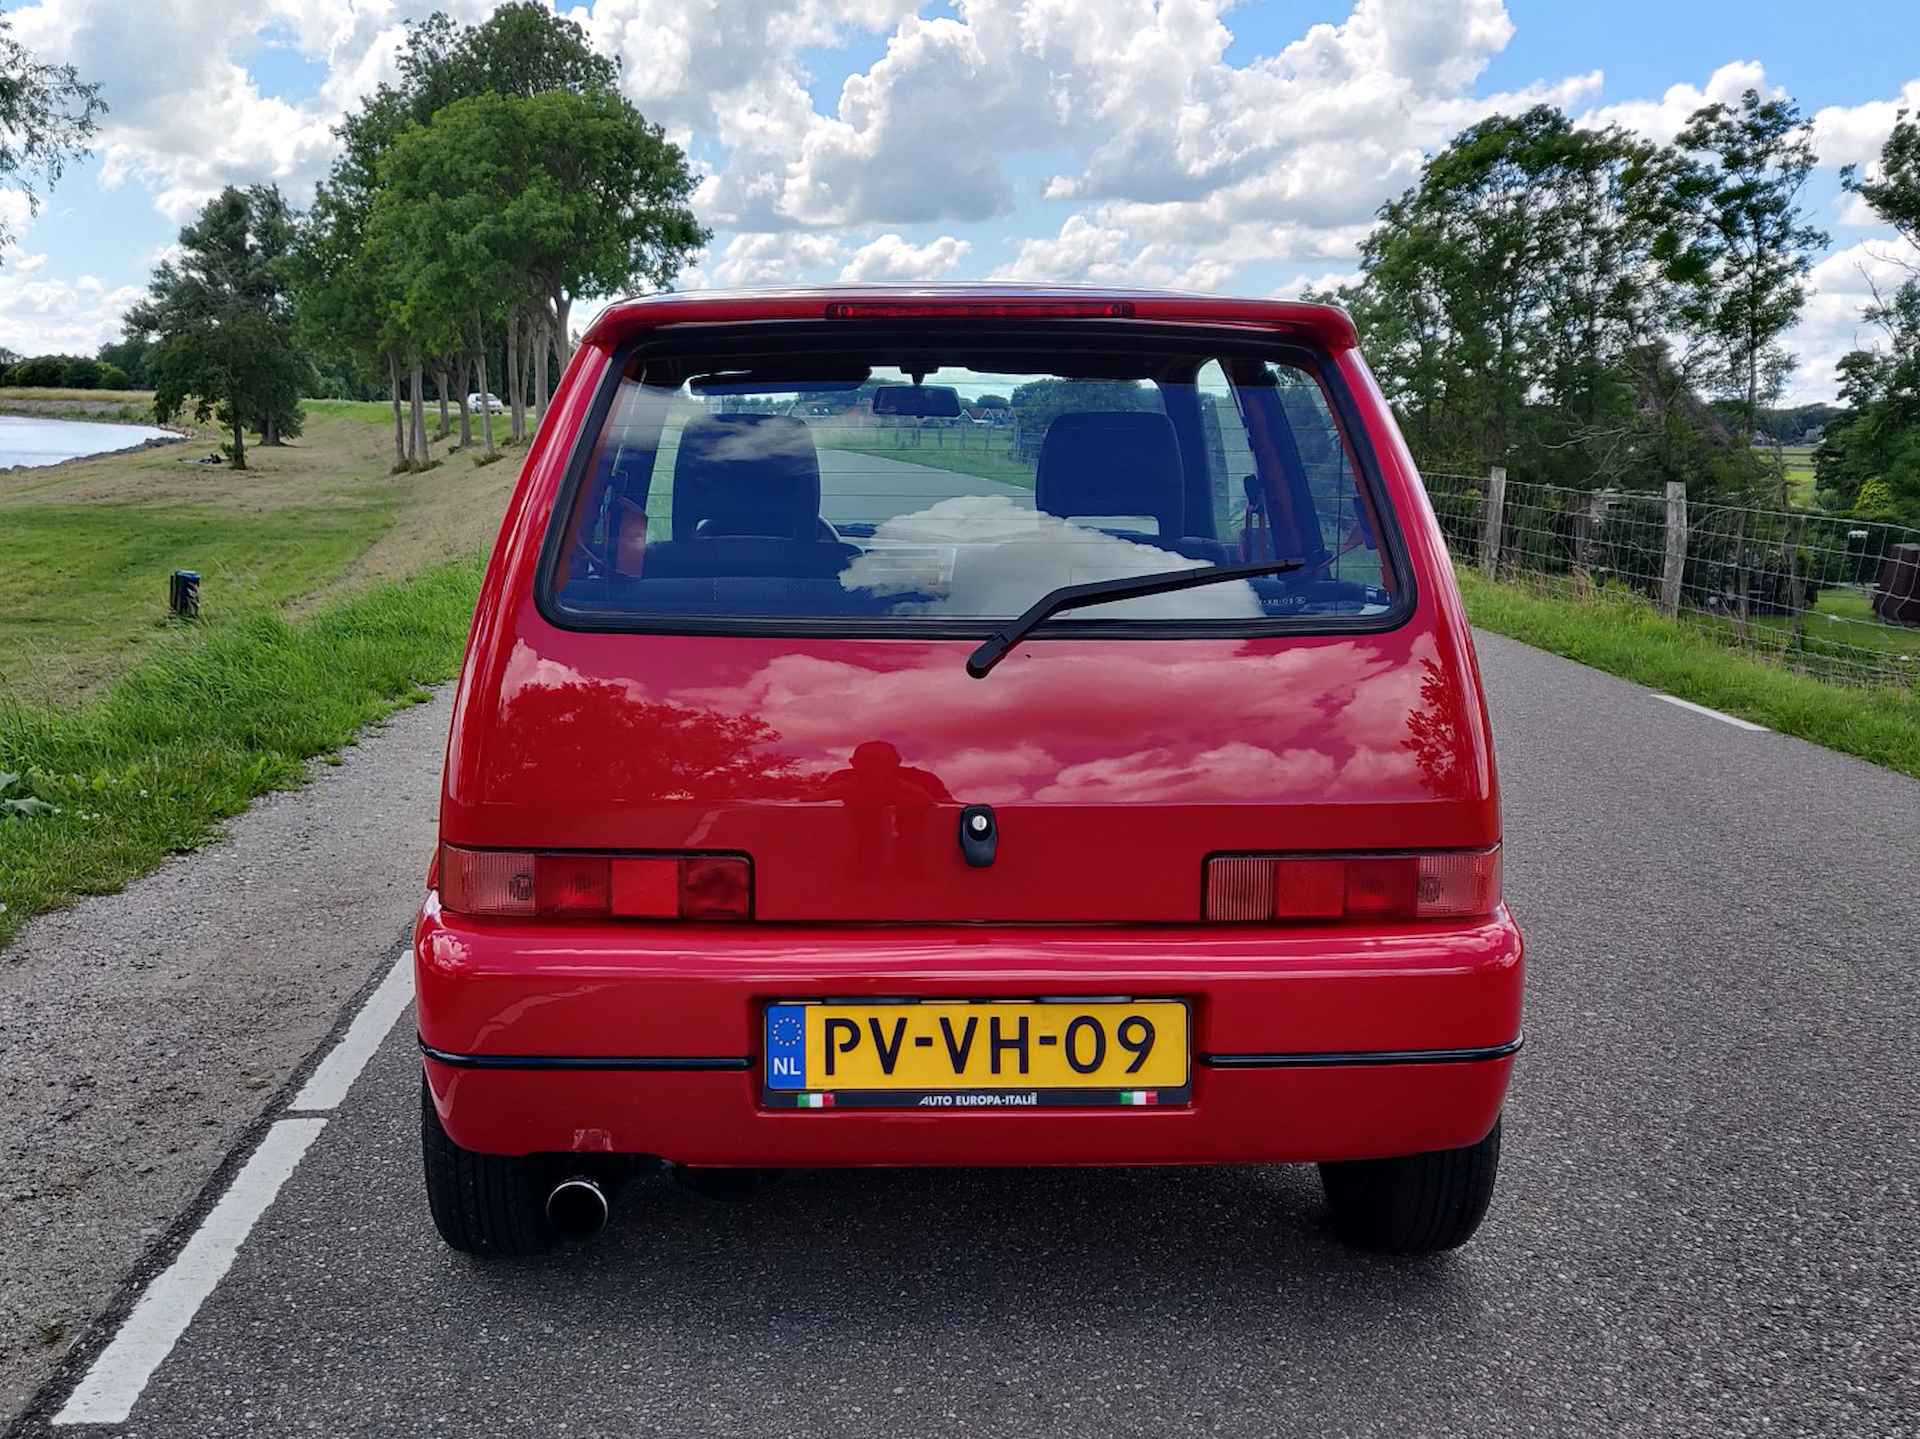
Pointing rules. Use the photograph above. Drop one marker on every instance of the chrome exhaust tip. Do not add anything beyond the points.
(577, 1208)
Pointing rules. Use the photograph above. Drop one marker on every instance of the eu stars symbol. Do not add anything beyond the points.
(786, 1047)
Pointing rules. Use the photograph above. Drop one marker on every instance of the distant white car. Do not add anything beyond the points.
(493, 401)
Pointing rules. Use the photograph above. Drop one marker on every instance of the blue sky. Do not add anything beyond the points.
(1240, 149)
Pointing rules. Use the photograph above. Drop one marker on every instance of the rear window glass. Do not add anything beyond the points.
(886, 485)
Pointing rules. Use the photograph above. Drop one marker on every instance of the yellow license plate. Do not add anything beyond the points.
(986, 1054)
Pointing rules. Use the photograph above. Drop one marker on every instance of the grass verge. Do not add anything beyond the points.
(205, 723)
(1626, 636)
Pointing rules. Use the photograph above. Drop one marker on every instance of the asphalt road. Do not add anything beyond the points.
(1707, 1220)
(870, 488)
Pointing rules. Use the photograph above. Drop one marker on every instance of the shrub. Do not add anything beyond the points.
(112, 377)
(82, 374)
(45, 372)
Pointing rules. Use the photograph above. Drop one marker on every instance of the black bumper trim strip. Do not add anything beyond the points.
(1333, 1058)
(653, 1063)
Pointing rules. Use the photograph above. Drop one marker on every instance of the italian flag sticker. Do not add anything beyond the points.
(814, 1101)
(1139, 1096)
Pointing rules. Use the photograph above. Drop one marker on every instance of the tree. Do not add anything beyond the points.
(82, 374)
(533, 200)
(219, 317)
(43, 372)
(47, 116)
(1738, 242)
(129, 355)
(1507, 298)
(359, 307)
(1870, 461)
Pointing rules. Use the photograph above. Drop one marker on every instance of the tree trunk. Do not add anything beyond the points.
(486, 403)
(466, 421)
(515, 420)
(562, 337)
(542, 338)
(270, 429)
(419, 400)
(239, 435)
(399, 428)
(440, 382)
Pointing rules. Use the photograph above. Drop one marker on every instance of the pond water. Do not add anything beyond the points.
(37, 441)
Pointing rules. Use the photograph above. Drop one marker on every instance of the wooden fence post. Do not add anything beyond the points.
(1676, 570)
(1490, 522)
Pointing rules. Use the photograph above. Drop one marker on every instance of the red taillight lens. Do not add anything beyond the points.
(1452, 885)
(980, 309)
(714, 887)
(510, 883)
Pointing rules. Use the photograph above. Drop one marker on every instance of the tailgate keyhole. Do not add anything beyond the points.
(979, 834)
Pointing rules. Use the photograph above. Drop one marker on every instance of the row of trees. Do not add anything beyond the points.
(62, 372)
(1559, 298)
(469, 204)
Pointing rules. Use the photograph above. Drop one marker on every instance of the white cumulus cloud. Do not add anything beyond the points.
(890, 257)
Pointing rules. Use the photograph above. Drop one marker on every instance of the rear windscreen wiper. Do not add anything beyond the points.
(994, 648)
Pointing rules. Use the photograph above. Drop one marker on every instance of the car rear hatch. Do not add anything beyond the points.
(698, 664)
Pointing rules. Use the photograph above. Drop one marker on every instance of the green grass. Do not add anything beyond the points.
(969, 450)
(1840, 633)
(216, 715)
(82, 580)
(1626, 636)
(1798, 461)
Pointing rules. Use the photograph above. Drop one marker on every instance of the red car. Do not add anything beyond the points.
(832, 782)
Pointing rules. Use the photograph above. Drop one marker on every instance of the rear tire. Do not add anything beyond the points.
(486, 1204)
(1418, 1204)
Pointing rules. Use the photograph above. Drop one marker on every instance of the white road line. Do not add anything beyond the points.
(327, 1086)
(120, 1373)
(1714, 714)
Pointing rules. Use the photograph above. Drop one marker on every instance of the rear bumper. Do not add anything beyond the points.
(1308, 1045)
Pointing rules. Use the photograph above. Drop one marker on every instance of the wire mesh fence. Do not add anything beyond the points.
(1825, 595)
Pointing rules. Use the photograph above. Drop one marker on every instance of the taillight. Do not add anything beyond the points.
(511, 883)
(980, 309)
(1290, 888)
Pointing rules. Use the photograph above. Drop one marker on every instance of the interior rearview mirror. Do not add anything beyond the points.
(920, 402)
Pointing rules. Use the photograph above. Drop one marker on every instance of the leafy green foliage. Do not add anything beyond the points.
(17, 803)
(1510, 304)
(1738, 243)
(213, 720)
(42, 372)
(1870, 461)
(47, 116)
(222, 318)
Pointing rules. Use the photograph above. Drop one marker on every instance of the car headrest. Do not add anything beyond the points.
(746, 475)
(1112, 462)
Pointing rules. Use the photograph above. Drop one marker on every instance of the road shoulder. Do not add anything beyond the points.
(144, 1033)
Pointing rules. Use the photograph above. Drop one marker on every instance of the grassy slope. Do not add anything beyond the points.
(89, 544)
(210, 719)
(332, 591)
(1629, 638)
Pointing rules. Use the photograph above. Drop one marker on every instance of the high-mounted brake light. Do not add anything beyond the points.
(514, 883)
(1289, 889)
(980, 310)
